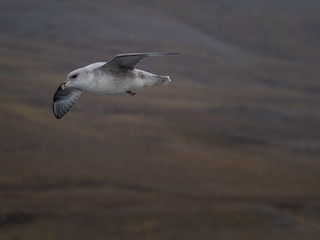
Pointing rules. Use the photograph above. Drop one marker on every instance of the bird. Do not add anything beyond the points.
(116, 76)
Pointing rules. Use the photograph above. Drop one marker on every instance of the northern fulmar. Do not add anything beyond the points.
(114, 77)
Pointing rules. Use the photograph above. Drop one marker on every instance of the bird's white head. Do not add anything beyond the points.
(81, 78)
(74, 78)
(78, 78)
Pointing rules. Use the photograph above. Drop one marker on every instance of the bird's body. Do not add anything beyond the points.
(114, 77)
(98, 81)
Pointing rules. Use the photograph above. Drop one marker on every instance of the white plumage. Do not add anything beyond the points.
(114, 77)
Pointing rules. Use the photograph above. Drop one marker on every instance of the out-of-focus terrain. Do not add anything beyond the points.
(229, 150)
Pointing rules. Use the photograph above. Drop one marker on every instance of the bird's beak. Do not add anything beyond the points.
(65, 84)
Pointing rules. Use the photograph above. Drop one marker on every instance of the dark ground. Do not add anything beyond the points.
(229, 150)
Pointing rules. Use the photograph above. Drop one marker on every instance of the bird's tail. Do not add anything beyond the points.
(156, 80)
(163, 80)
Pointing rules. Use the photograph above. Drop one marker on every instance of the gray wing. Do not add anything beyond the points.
(63, 100)
(130, 60)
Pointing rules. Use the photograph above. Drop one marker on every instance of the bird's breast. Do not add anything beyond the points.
(108, 84)
(116, 83)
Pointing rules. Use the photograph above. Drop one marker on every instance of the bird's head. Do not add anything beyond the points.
(74, 79)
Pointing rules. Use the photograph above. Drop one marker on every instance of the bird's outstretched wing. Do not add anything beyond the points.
(63, 99)
(129, 61)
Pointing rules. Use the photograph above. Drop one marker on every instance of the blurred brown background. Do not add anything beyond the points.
(229, 150)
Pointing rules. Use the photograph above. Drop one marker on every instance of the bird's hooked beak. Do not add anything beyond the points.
(65, 84)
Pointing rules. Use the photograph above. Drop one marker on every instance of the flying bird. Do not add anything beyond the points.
(117, 76)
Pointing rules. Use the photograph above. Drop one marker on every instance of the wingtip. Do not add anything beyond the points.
(149, 54)
(167, 53)
(55, 112)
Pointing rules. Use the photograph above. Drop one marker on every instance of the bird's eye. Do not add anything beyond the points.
(74, 76)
